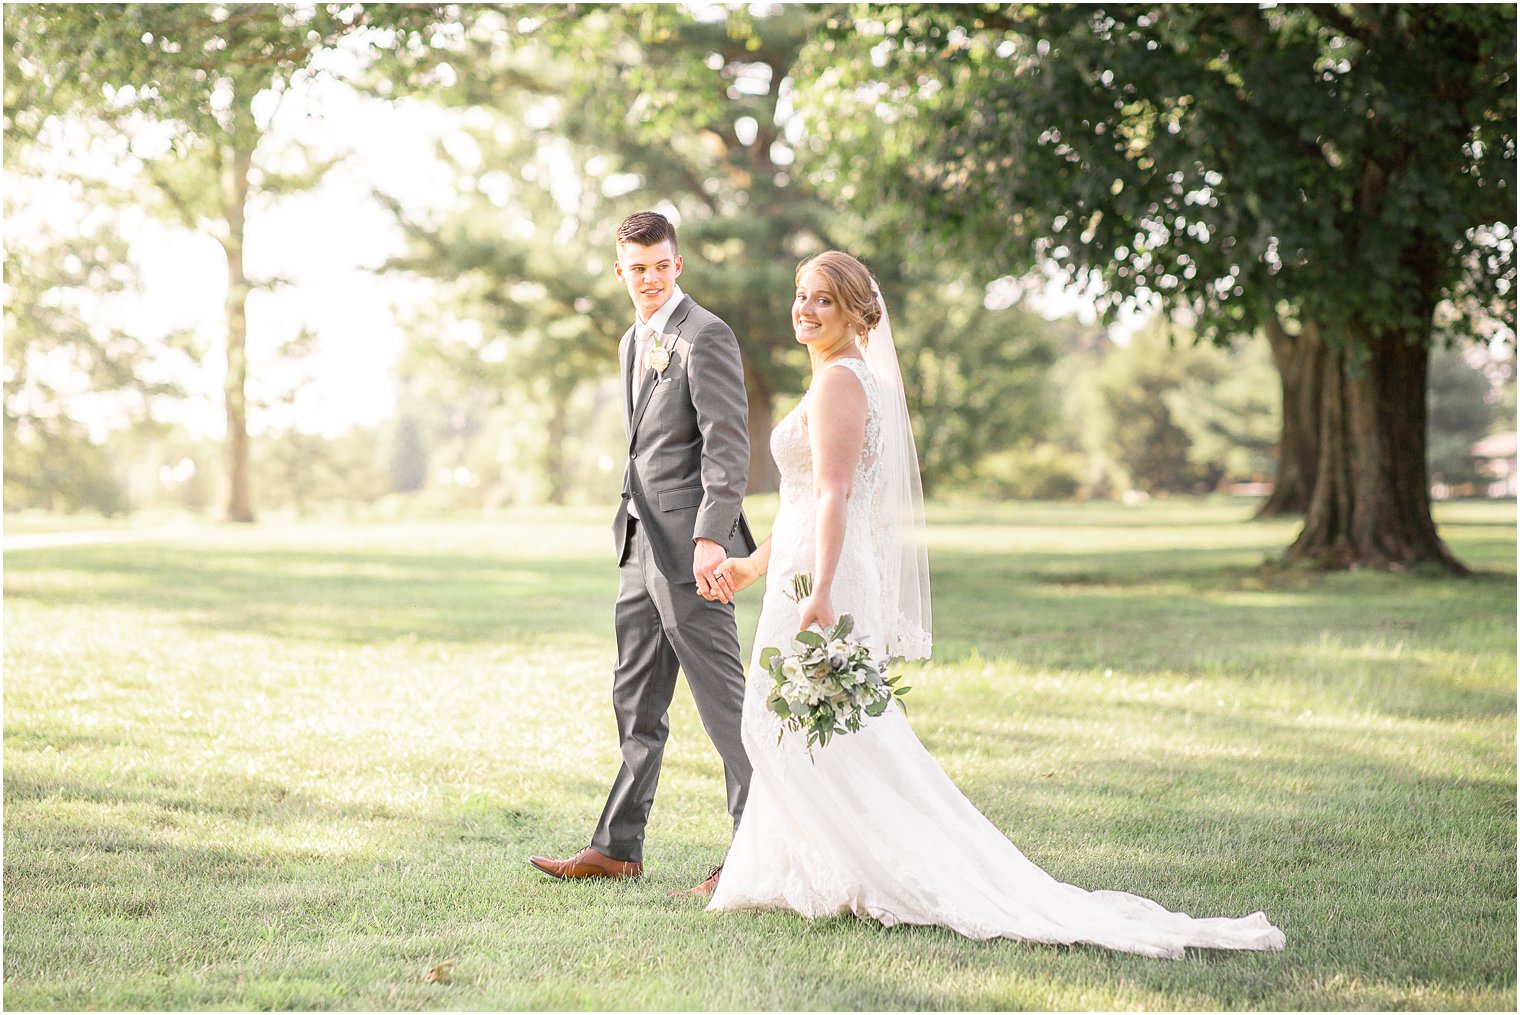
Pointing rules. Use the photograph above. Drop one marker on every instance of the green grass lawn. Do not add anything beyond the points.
(299, 766)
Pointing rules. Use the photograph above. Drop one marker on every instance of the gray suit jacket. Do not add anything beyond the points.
(688, 444)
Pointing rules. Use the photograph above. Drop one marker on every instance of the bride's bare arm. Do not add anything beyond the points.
(742, 572)
(837, 432)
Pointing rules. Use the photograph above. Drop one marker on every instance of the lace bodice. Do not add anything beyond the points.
(857, 579)
(793, 452)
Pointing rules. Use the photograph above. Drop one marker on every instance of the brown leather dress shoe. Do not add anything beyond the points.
(706, 888)
(588, 863)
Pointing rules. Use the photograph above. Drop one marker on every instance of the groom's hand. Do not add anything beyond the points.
(707, 556)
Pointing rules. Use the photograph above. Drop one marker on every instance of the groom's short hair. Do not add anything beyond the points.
(646, 228)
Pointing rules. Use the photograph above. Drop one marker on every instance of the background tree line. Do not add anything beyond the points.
(1326, 237)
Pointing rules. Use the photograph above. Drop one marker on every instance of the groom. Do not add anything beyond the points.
(686, 420)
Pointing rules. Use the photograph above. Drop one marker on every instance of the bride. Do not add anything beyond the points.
(869, 824)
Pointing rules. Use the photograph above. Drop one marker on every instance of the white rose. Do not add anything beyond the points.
(657, 358)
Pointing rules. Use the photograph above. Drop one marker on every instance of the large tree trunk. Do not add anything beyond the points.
(763, 477)
(1300, 363)
(234, 178)
(1371, 503)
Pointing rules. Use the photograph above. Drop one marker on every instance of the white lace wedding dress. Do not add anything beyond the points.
(870, 824)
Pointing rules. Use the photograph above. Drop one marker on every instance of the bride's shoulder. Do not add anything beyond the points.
(854, 377)
(853, 366)
(837, 396)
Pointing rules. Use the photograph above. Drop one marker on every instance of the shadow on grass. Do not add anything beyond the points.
(1247, 567)
(234, 796)
(1107, 517)
(358, 597)
(1169, 611)
(1189, 612)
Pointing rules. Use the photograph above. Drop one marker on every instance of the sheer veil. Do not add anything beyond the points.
(905, 579)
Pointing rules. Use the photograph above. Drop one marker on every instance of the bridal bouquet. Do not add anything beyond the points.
(828, 684)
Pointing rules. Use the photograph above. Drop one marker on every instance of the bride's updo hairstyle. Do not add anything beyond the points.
(850, 282)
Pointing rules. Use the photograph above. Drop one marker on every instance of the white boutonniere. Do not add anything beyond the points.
(657, 357)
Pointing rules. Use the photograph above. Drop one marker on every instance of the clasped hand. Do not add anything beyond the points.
(736, 574)
(720, 577)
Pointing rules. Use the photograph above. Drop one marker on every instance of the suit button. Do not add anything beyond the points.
(632, 455)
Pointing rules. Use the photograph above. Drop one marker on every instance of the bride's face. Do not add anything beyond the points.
(817, 320)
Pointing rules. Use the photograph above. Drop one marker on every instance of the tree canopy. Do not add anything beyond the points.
(1223, 159)
(1341, 174)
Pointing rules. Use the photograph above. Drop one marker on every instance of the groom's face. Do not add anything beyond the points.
(650, 274)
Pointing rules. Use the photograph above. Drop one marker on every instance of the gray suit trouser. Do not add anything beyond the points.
(663, 627)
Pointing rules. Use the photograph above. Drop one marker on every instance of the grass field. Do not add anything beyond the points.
(301, 766)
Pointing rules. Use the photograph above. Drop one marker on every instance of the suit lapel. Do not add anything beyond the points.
(625, 362)
(678, 318)
(646, 390)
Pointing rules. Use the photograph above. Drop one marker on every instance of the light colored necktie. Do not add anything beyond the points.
(640, 372)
